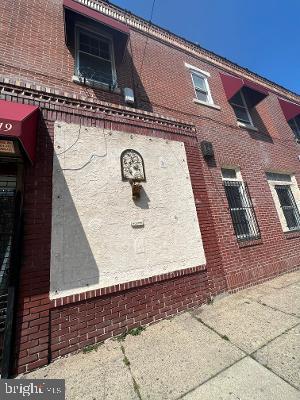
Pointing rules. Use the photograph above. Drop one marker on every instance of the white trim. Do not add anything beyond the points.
(295, 191)
(95, 84)
(189, 66)
(211, 105)
(204, 77)
(238, 174)
(247, 126)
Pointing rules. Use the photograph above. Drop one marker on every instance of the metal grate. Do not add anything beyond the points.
(288, 206)
(7, 208)
(241, 210)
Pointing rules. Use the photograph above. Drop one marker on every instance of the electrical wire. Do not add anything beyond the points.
(147, 38)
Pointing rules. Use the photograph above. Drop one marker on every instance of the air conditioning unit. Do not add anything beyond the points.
(128, 96)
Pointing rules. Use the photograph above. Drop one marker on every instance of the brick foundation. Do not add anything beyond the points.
(90, 321)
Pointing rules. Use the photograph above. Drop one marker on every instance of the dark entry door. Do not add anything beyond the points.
(7, 218)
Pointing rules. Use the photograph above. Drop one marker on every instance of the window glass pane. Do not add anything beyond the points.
(199, 82)
(95, 69)
(104, 50)
(283, 195)
(295, 125)
(240, 221)
(84, 39)
(237, 99)
(202, 96)
(273, 176)
(290, 217)
(241, 114)
(93, 45)
(228, 173)
(234, 196)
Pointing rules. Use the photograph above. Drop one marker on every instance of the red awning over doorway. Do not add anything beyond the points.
(19, 122)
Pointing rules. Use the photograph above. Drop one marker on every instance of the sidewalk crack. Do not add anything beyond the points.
(126, 361)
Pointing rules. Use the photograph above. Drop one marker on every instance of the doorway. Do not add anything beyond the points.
(7, 221)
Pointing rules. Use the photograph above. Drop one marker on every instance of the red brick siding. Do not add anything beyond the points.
(77, 325)
(34, 50)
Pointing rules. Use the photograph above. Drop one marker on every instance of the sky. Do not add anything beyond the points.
(261, 35)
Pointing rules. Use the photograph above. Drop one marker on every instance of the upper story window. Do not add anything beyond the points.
(295, 125)
(241, 109)
(201, 87)
(94, 57)
(243, 95)
(240, 205)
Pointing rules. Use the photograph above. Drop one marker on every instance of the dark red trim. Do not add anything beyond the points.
(290, 110)
(233, 84)
(96, 15)
(23, 119)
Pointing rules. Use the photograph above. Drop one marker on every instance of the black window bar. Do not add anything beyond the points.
(288, 206)
(241, 210)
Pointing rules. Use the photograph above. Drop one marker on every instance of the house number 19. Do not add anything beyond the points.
(5, 127)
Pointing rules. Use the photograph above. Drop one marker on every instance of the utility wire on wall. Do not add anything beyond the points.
(144, 52)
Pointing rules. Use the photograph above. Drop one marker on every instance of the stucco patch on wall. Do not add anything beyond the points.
(93, 242)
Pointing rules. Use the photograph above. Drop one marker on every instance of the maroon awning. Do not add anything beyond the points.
(233, 84)
(119, 30)
(290, 110)
(19, 121)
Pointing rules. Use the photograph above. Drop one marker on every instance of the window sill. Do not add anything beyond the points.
(247, 126)
(249, 242)
(207, 104)
(292, 234)
(95, 84)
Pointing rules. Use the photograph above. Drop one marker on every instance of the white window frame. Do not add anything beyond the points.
(292, 183)
(244, 194)
(91, 82)
(204, 75)
(243, 124)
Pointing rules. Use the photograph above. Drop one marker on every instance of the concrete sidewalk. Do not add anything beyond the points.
(244, 346)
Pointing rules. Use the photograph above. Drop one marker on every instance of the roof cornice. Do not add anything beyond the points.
(172, 39)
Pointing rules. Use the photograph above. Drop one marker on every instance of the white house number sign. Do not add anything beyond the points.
(5, 126)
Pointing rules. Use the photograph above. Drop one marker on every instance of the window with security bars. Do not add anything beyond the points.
(94, 57)
(241, 210)
(288, 206)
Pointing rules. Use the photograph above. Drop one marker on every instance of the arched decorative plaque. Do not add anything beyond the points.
(132, 166)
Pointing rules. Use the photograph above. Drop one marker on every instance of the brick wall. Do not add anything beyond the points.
(163, 86)
(84, 323)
